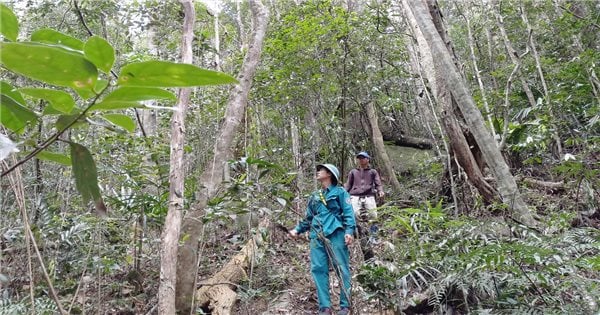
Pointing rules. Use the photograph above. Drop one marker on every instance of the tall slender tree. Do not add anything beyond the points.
(172, 228)
(211, 177)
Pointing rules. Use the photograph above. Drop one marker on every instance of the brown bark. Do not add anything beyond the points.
(210, 179)
(507, 186)
(218, 293)
(380, 147)
(170, 236)
(465, 158)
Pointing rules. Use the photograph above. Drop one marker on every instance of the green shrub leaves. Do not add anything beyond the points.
(61, 60)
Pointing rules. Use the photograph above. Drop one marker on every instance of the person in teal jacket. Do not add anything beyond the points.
(330, 222)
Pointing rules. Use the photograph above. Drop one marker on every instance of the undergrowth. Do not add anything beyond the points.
(483, 266)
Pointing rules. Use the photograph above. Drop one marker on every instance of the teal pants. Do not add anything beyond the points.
(320, 257)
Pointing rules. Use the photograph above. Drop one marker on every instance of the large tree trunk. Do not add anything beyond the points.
(507, 186)
(212, 175)
(170, 237)
(460, 147)
(380, 147)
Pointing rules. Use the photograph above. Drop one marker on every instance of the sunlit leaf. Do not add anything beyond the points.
(9, 26)
(50, 36)
(100, 52)
(54, 157)
(120, 120)
(169, 74)
(50, 64)
(59, 100)
(135, 93)
(13, 115)
(86, 176)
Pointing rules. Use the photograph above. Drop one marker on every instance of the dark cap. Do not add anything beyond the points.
(363, 154)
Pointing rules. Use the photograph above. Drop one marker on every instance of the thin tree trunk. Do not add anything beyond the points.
(217, 42)
(486, 106)
(507, 186)
(380, 147)
(210, 179)
(538, 65)
(170, 237)
(240, 25)
(514, 57)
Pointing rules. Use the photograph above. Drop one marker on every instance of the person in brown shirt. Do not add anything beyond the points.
(363, 184)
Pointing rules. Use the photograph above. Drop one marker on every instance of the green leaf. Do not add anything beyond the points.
(113, 105)
(101, 84)
(50, 64)
(134, 93)
(65, 120)
(9, 26)
(54, 157)
(86, 176)
(100, 52)
(120, 120)
(7, 89)
(59, 100)
(50, 36)
(169, 74)
(13, 115)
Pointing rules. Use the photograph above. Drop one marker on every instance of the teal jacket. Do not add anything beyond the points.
(327, 211)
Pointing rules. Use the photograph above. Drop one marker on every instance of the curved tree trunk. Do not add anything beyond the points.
(211, 177)
(380, 147)
(170, 237)
(507, 186)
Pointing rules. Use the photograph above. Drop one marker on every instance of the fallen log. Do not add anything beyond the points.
(218, 293)
(413, 142)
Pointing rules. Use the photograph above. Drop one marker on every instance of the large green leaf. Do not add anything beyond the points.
(54, 157)
(50, 36)
(135, 93)
(169, 74)
(121, 120)
(100, 52)
(9, 26)
(86, 176)
(59, 100)
(14, 115)
(50, 64)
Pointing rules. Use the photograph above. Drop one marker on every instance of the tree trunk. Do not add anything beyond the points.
(507, 186)
(538, 65)
(380, 147)
(514, 57)
(477, 73)
(211, 176)
(460, 148)
(170, 237)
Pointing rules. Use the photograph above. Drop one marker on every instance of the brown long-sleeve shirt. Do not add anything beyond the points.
(363, 182)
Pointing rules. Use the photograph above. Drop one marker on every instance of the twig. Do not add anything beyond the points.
(52, 138)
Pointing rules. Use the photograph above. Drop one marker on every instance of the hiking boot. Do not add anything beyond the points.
(325, 311)
(344, 311)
